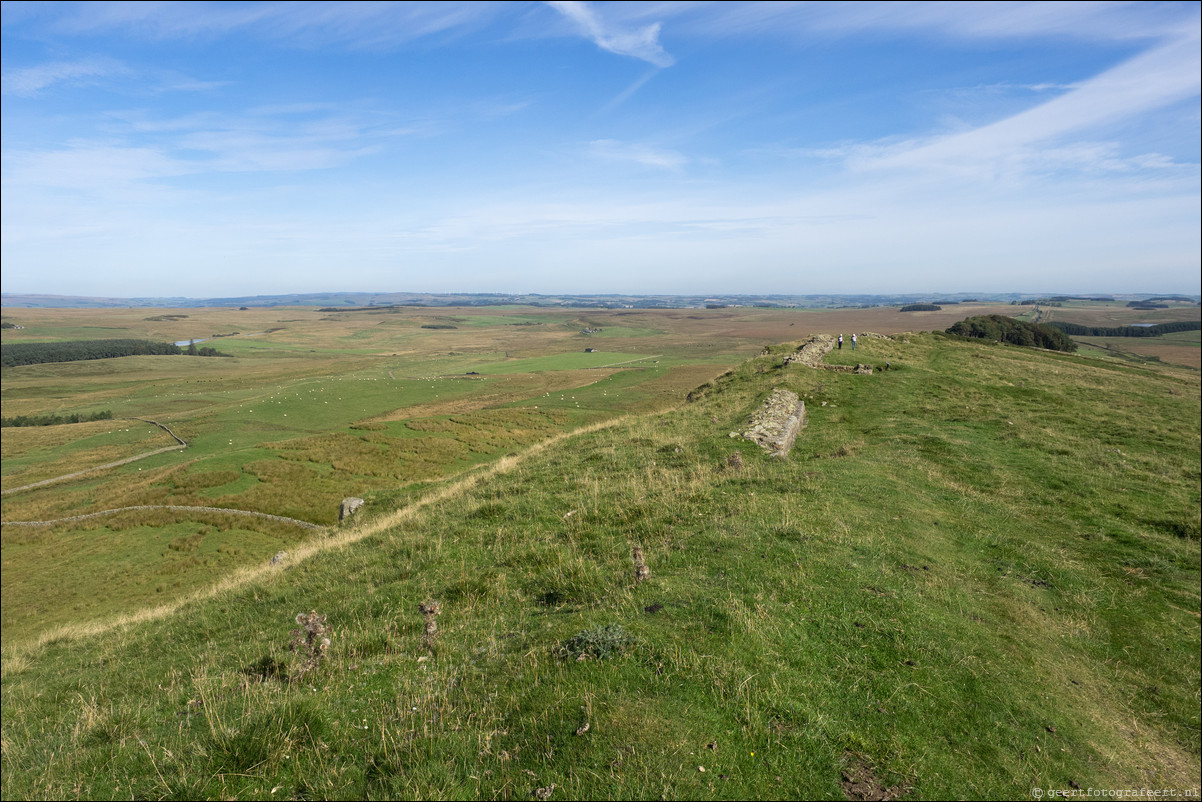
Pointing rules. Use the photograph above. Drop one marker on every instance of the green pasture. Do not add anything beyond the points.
(51, 574)
(524, 319)
(292, 432)
(1193, 338)
(58, 333)
(975, 575)
(33, 453)
(623, 330)
(575, 360)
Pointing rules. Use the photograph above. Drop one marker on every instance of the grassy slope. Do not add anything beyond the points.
(976, 574)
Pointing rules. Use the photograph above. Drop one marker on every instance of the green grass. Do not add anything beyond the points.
(291, 433)
(40, 452)
(50, 573)
(976, 574)
(575, 360)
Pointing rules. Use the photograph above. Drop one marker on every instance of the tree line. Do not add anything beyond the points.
(55, 420)
(14, 354)
(1078, 330)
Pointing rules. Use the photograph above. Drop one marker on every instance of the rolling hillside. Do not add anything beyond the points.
(977, 574)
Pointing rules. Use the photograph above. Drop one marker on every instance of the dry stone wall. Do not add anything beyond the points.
(775, 425)
(811, 352)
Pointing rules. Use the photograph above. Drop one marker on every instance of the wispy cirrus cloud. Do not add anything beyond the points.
(1041, 137)
(360, 25)
(141, 150)
(31, 81)
(646, 155)
(641, 43)
(1103, 21)
(628, 92)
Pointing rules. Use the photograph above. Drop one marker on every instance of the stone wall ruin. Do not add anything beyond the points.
(775, 425)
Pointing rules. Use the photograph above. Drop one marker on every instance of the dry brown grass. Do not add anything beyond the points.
(1105, 315)
(1173, 353)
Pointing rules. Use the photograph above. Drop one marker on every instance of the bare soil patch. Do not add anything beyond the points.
(861, 783)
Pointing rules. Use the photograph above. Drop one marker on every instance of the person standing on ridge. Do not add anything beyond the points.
(853, 342)
(840, 342)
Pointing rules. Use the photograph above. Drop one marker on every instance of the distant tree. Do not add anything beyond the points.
(1078, 330)
(1016, 332)
(13, 354)
(54, 420)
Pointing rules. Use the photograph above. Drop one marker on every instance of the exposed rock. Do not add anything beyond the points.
(641, 571)
(349, 507)
(279, 557)
(430, 610)
(811, 352)
(776, 424)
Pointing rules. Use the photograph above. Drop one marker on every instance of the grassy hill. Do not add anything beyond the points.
(976, 574)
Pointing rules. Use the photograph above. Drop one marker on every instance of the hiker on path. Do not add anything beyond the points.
(853, 342)
(840, 342)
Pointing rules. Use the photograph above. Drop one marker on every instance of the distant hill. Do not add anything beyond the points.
(362, 299)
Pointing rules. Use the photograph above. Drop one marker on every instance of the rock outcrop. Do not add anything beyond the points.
(775, 425)
(349, 507)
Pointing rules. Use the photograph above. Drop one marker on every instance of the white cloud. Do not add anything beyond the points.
(1078, 20)
(30, 81)
(366, 25)
(1035, 138)
(628, 92)
(642, 43)
(638, 153)
(90, 166)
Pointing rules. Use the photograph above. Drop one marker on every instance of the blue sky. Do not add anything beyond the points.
(219, 149)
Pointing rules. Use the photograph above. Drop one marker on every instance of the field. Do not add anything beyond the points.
(313, 407)
(1179, 348)
(976, 575)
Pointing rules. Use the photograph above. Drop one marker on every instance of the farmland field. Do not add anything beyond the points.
(975, 575)
(1178, 348)
(313, 406)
